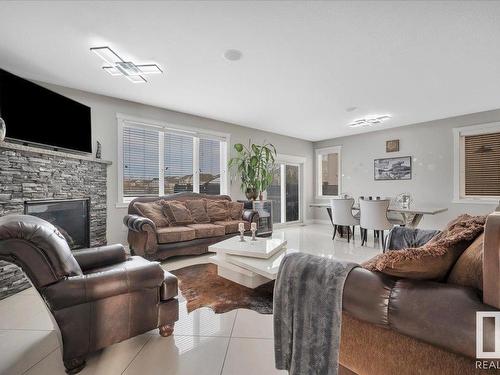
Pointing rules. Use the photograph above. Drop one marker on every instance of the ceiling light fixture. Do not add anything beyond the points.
(116, 66)
(369, 121)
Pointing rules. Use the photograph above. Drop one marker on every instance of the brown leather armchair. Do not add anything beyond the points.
(97, 297)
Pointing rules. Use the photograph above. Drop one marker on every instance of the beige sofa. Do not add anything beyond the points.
(154, 236)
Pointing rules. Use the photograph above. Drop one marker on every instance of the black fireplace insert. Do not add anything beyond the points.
(70, 216)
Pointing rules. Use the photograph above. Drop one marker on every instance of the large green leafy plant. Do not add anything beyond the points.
(254, 165)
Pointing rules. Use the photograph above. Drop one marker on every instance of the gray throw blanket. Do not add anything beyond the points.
(307, 313)
(403, 238)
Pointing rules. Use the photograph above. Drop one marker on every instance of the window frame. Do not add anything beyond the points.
(459, 161)
(319, 152)
(124, 120)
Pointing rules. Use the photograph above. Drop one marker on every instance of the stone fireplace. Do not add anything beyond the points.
(50, 184)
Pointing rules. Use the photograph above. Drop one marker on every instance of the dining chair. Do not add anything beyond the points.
(342, 216)
(374, 217)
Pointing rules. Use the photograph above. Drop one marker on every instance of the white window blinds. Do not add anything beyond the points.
(178, 155)
(140, 162)
(210, 166)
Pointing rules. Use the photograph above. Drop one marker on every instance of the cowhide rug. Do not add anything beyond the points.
(202, 287)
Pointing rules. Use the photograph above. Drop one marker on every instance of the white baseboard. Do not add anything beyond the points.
(321, 221)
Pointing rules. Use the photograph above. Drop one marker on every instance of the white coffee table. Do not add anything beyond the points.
(249, 263)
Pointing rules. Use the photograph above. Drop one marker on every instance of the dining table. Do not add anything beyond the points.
(412, 215)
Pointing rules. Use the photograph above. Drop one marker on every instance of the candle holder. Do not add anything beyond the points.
(242, 237)
(254, 230)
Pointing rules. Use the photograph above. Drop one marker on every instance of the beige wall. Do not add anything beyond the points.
(104, 130)
(431, 146)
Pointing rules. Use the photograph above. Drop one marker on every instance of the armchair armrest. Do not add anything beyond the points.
(250, 215)
(137, 223)
(402, 237)
(100, 256)
(136, 274)
(142, 235)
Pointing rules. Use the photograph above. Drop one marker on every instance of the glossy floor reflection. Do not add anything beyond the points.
(239, 342)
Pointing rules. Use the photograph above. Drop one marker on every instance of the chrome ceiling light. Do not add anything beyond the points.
(116, 66)
(369, 121)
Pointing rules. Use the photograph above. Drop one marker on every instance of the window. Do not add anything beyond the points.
(155, 159)
(328, 171)
(477, 163)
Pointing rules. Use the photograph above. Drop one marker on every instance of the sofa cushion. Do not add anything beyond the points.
(231, 226)
(175, 234)
(217, 210)
(207, 230)
(154, 212)
(235, 210)
(468, 270)
(177, 212)
(197, 208)
(433, 260)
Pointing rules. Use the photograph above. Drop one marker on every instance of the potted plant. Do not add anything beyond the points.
(254, 165)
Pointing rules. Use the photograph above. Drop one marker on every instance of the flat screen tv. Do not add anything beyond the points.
(36, 115)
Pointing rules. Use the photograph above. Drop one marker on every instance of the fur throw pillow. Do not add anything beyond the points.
(433, 260)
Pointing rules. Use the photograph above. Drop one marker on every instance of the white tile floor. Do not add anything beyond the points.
(239, 342)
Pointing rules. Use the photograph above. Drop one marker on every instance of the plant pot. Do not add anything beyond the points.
(261, 196)
(251, 194)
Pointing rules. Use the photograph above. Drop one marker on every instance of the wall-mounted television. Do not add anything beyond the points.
(36, 115)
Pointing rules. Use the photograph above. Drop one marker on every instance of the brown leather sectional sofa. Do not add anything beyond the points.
(398, 326)
(151, 242)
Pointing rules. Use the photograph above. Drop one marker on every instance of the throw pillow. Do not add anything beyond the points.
(468, 270)
(198, 211)
(217, 210)
(153, 211)
(433, 260)
(236, 210)
(177, 213)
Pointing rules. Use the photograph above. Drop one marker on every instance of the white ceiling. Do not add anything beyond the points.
(303, 63)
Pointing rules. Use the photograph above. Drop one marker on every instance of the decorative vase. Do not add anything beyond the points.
(251, 194)
(261, 197)
(98, 151)
(3, 129)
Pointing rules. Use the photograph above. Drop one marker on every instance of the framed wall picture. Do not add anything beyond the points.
(392, 145)
(392, 168)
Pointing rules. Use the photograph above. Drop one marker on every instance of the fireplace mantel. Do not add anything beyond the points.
(46, 151)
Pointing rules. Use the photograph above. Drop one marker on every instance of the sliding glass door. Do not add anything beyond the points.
(292, 197)
(285, 193)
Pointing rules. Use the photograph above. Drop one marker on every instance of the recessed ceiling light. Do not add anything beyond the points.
(233, 55)
(369, 121)
(351, 109)
(116, 66)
